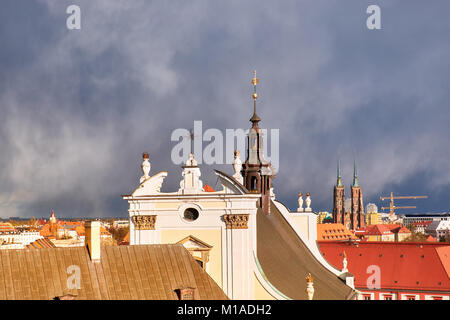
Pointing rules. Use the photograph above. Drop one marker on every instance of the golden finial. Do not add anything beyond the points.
(255, 79)
(309, 278)
(254, 82)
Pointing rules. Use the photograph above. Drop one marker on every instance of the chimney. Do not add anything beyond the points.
(92, 239)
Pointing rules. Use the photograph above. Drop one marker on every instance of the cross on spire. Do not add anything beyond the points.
(191, 137)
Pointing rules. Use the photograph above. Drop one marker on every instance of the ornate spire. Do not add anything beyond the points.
(339, 178)
(355, 178)
(255, 119)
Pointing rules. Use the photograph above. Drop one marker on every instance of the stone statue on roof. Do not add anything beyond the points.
(145, 166)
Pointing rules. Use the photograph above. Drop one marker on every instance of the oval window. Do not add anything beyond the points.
(190, 214)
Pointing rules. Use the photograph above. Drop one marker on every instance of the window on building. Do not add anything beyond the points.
(367, 297)
(388, 297)
(410, 297)
(254, 182)
(190, 214)
(437, 298)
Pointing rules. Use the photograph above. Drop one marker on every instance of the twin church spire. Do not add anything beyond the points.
(339, 177)
(352, 214)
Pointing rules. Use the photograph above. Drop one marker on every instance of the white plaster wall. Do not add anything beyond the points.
(238, 245)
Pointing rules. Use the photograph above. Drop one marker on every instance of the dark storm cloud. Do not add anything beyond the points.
(79, 107)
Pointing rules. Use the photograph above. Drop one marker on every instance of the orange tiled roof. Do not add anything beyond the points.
(404, 265)
(41, 243)
(444, 255)
(333, 232)
(73, 224)
(382, 229)
(207, 188)
(6, 227)
(45, 231)
(103, 231)
(127, 237)
(80, 230)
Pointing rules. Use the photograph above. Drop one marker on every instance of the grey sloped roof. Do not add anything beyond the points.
(151, 272)
(286, 261)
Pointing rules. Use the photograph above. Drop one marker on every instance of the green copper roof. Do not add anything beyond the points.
(339, 179)
(355, 178)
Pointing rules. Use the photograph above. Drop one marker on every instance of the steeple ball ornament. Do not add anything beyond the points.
(237, 166)
(255, 119)
(146, 166)
(300, 202)
(310, 286)
(308, 202)
(255, 79)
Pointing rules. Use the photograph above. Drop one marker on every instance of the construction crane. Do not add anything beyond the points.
(392, 207)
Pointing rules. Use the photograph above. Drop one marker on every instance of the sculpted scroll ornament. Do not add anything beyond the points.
(144, 222)
(236, 221)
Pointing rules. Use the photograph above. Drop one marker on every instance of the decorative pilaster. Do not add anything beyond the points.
(144, 222)
(236, 221)
(238, 245)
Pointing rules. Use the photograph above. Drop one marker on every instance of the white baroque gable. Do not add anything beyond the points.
(151, 185)
(229, 184)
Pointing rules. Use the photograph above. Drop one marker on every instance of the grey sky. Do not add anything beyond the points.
(79, 107)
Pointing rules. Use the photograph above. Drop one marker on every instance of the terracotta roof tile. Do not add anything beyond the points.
(333, 231)
(402, 264)
(41, 243)
(207, 188)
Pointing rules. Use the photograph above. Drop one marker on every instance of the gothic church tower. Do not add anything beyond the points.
(339, 198)
(352, 218)
(357, 211)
